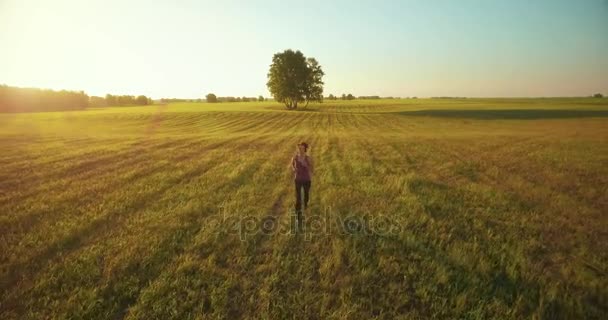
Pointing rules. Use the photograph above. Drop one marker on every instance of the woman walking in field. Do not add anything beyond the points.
(302, 166)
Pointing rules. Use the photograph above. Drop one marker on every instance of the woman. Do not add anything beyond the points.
(302, 166)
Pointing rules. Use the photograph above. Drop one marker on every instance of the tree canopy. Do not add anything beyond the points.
(294, 78)
(212, 98)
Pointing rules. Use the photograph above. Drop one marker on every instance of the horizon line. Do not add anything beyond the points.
(395, 97)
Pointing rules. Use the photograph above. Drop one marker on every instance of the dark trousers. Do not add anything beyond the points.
(299, 186)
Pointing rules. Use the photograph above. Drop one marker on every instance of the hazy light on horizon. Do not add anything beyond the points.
(185, 49)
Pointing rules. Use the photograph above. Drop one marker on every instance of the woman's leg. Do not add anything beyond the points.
(306, 186)
(298, 196)
(298, 214)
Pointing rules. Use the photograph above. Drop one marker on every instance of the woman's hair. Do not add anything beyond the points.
(305, 145)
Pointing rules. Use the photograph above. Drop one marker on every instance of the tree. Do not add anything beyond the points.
(598, 95)
(141, 100)
(97, 102)
(111, 100)
(350, 97)
(227, 99)
(260, 98)
(211, 98)
(313, 90)
(125, 100)
(293, 79)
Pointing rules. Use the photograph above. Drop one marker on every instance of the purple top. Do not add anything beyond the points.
(302, 168)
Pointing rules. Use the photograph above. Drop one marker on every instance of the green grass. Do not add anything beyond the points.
(470, 208)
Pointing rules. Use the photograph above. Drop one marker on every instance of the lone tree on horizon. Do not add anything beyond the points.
(293, 79)
(211, 98)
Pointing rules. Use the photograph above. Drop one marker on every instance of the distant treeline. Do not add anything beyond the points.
(125, 100)
(344, 97)
(350, 96)
(447, 97)
(212, 98)
(13, 99)
(171, 100)
(238, 99)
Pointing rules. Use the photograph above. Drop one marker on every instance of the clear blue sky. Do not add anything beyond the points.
(421, 48)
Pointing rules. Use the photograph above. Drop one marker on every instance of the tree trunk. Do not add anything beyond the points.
(288, 104)
(291, 104)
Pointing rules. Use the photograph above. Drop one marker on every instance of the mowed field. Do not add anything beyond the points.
(473, 208)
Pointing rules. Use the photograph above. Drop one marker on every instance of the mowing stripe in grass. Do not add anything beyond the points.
(74, 237)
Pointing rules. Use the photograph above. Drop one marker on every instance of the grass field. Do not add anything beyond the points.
(472, 208)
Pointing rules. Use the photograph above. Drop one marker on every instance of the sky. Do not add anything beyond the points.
(186, 49)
